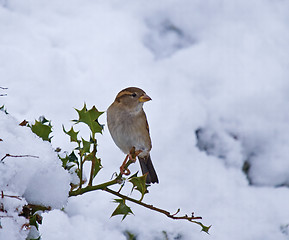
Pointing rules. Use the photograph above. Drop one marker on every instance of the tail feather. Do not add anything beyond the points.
(147, 167)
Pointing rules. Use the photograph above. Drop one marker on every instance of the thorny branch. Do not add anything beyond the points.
(29, 210)
(168, 214)
(118, 179)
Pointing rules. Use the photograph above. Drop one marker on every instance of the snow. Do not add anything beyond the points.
(33, 171)
(10, 222)
(38, 175)
(217, 72)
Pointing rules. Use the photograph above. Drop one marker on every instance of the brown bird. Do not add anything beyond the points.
(127, 124)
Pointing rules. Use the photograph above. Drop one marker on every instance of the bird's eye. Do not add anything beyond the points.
(134, 94)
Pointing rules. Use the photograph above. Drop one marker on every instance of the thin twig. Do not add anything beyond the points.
(168, 214)
(177, 212)
(17, 156)
(10, 196)
(4, 88)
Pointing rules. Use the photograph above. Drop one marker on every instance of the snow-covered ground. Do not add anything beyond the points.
(217, 72)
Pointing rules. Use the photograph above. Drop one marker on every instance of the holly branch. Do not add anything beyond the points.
(85, 152)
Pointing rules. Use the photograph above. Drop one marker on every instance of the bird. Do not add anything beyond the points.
(128, 127)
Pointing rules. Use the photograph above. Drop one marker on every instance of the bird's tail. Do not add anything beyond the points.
(147, 167)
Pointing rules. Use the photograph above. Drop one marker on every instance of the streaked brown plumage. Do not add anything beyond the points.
(128, 127)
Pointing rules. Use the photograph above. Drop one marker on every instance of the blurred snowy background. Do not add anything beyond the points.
(218, 74)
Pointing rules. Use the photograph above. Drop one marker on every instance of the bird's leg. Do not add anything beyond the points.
(138, 152)
(132, 154)
(132, 157)
(123, 169)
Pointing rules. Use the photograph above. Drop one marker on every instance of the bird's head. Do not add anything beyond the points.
(132, 98)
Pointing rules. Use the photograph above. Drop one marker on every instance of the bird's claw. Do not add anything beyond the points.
(124, 171)
(132, 157)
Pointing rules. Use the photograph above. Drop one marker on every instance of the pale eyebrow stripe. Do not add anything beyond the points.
(123, 93)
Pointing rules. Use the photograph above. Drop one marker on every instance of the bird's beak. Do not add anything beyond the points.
(144, 98)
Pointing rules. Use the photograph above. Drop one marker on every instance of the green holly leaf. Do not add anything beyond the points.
(121, 209)
(34, 220)
(85, 146)
(205, 228)
(90, 118)
(97, 167)
(64, 161)
(71, 133)
(132, 176)
(42, 128)
(139, 183)
(72, 158)
(95, 161)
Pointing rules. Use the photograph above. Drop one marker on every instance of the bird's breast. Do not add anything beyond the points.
(129, 131)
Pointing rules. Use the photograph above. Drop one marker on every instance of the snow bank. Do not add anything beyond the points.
(34, 176)
(39, 177)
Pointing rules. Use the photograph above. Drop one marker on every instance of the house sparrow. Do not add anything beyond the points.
(127, 124)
